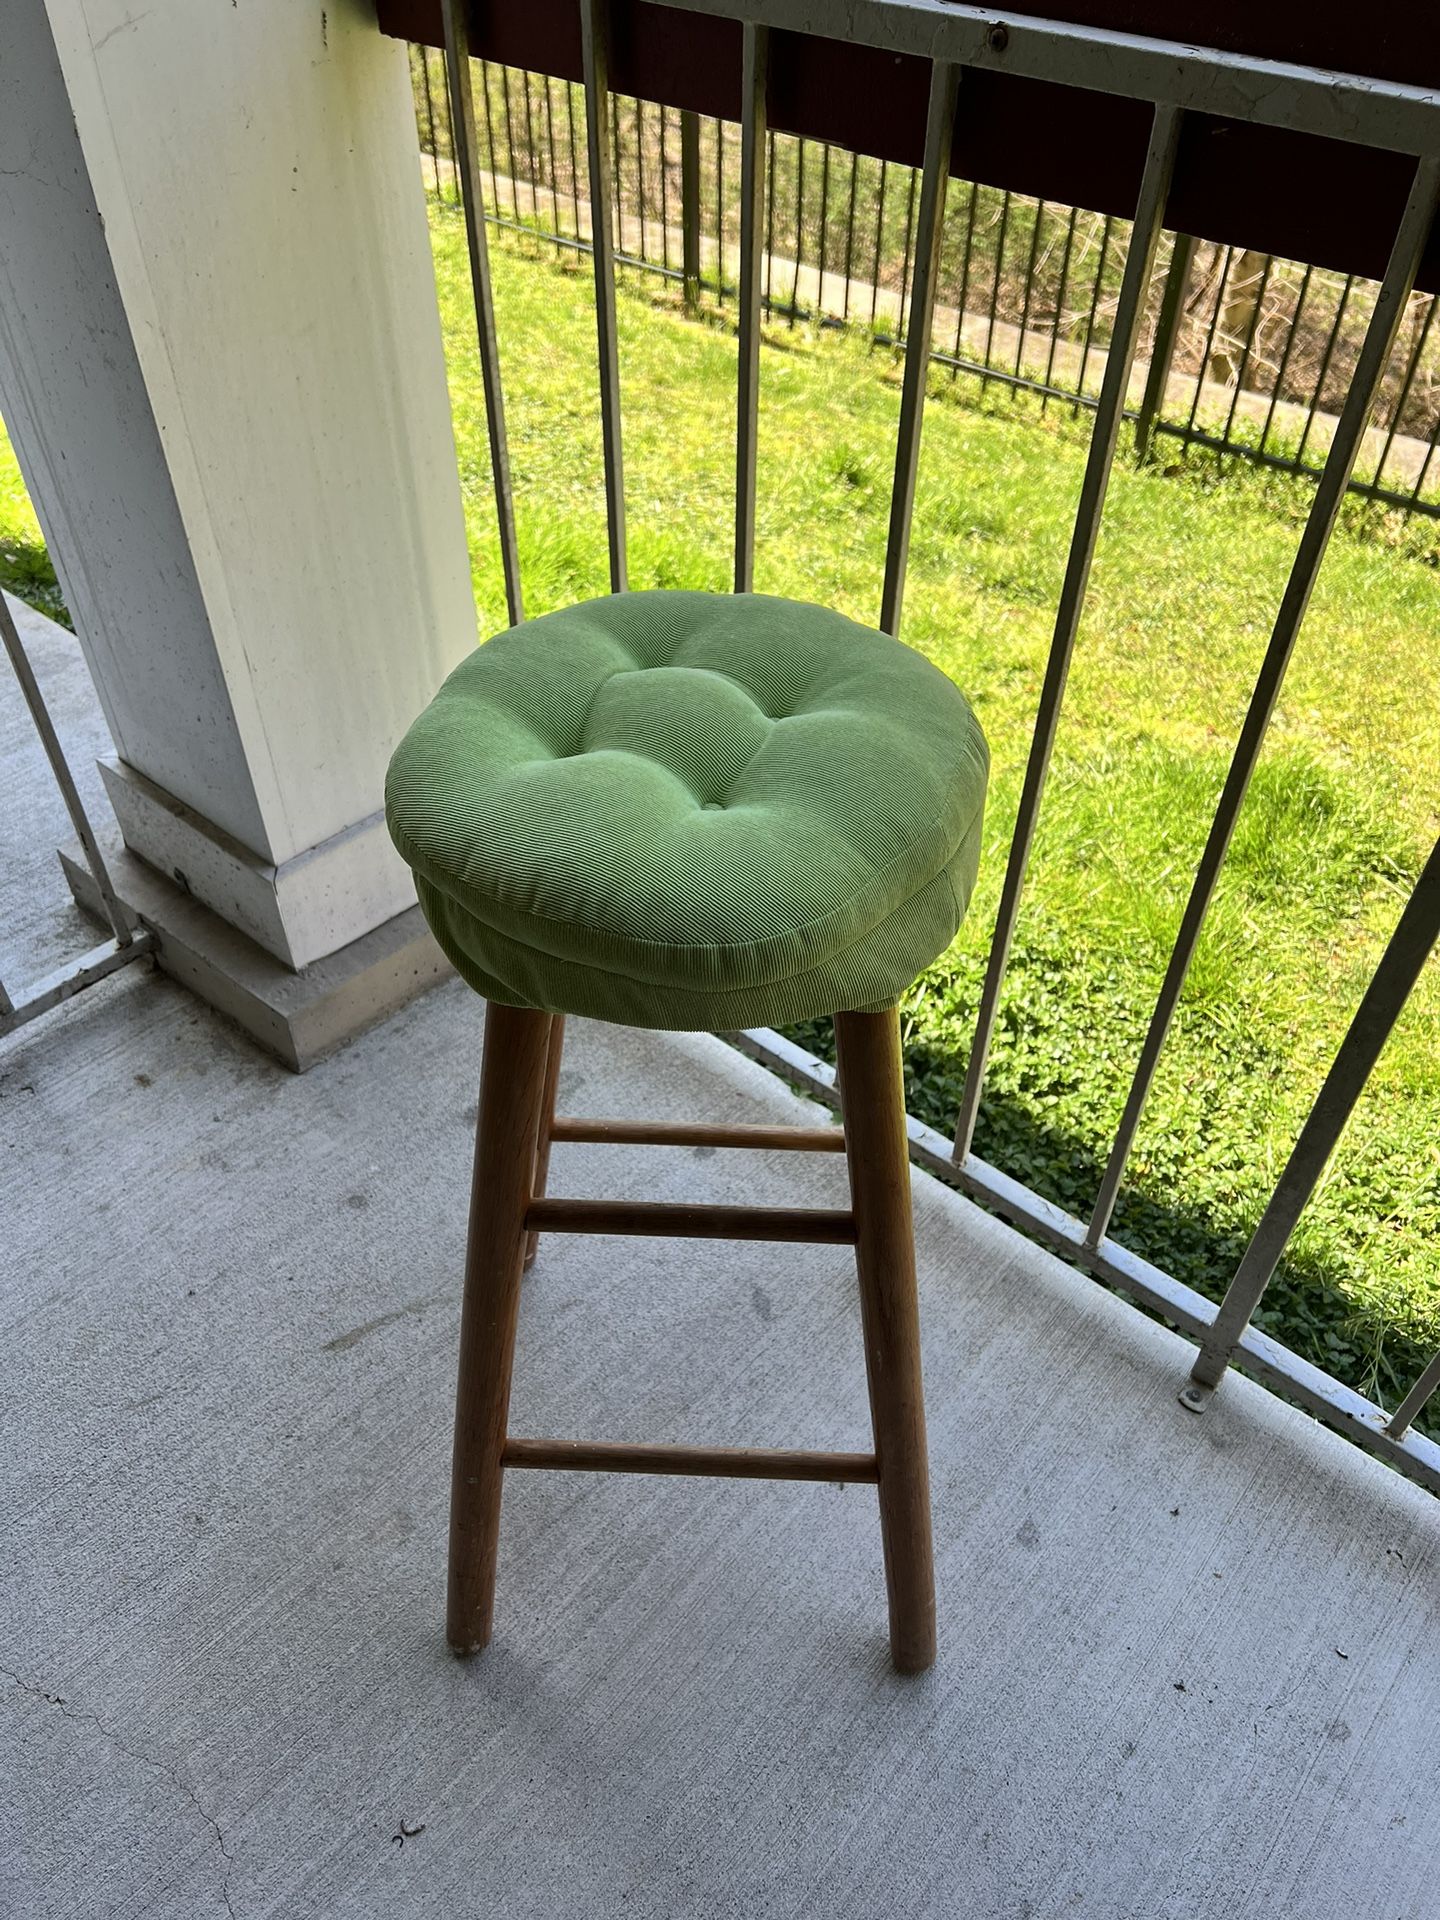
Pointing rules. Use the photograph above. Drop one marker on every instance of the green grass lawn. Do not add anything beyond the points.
(1189, 573)
(1187, 578)
(24, 564)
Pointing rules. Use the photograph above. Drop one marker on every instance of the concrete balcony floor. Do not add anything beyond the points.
(1189, 1666)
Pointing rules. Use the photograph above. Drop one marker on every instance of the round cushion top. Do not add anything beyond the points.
(692, 810)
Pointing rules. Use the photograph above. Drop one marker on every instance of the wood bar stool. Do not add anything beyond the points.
(698, 812)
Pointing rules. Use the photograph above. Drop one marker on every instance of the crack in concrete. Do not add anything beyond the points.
(342, 1341)
(134, 1753)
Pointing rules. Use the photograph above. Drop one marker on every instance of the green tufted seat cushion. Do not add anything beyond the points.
(692, 810)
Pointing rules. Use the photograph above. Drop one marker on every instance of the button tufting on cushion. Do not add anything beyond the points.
(692, 810)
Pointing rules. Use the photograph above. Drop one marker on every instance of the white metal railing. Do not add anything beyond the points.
(1175, 81)
(127, 942)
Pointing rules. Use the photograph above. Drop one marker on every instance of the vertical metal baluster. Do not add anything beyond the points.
(510, 162)
(1207, 350)
(1162, 347)
(467, 172)
(1385, 997)
(962, 295)
(1284, 367)
(1066, 251)
(1149, 216)
(1029, 284)
(532, 152)
(771, 200)
(1248, 349)
(554, 170)
(664, 188)
(1411, 369)
(939, 139)
(617, 169)
(690, 208)
(850, 234)
(879, 241)
(639, 177)
(908, 243)
(595, 43)
(965, 265)
(1339, 463)
(1324, 373)
(69, 792)
(995, 284)
(1424, 472)
(1411, 1407)
(574, 156)
(824, 222)
(747, 385)
(430, 119)
(953, 188)
(799, 228)
(489, 142)
(720, 210)
(1095, 293)
(448, 111)
(440, 102)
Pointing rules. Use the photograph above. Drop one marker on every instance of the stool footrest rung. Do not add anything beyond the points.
(735, 1463)
(678, 1133)
(831, 1226)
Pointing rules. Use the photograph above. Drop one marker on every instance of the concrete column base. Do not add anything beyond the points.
(299, 910)
(296, 1016)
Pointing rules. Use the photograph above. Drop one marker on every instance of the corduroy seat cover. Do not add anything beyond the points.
(692, 810)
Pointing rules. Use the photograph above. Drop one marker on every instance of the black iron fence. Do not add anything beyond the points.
(1241, 354)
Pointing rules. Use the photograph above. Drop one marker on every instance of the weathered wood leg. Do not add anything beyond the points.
(868, 1045)
(512, 1090)
(547, 1121)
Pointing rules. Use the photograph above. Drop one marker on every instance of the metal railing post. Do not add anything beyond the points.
(1408, 949)
(752, 210)
(131, 941)
(690, 207)
(1415, 1401)
(1167, 332)
(595, 42)
(1149, 216)
(50, 740)
(939, 137)
(467, 175)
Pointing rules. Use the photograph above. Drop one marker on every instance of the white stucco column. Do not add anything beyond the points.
(220, 363)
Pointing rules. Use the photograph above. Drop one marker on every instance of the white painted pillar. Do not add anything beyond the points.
(220, 362)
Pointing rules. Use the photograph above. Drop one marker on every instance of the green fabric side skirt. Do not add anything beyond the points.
(872, 973)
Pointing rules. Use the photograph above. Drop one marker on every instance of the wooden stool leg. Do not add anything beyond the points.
(512, 1085)
(868, 1045)
(547, 1121)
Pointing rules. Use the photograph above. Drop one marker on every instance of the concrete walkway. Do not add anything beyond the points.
(1188, 1667)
